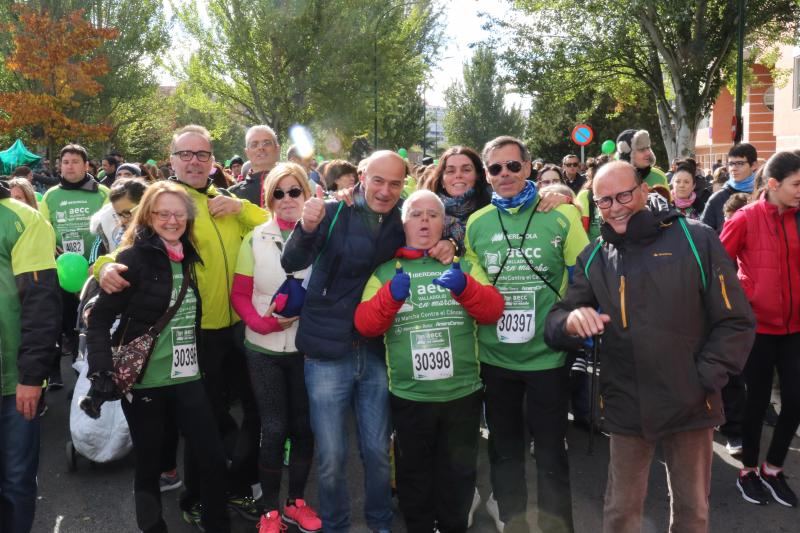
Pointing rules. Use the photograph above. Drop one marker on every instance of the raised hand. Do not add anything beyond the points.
(453, 278)
(400, 284)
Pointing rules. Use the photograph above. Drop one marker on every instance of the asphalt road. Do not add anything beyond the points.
(99, 498)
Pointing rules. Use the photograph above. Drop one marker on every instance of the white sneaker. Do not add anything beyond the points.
(476, 501)
(494, 512)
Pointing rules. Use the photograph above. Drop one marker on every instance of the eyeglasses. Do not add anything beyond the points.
(262, 144)
(294, 192)
(125, 214)
(496, 168)
(187, 155)
(570, 164)
(622, 198)
(545, 183)
(166, 215)
(737, 163)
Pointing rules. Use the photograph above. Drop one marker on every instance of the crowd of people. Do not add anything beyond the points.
(422, 301)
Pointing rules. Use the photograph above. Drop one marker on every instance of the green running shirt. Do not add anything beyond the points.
(69, 212)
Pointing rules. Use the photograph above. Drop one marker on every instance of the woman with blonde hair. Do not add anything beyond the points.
(268, 299)
(158, 252)
(22, 190)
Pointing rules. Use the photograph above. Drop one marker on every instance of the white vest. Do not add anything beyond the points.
(268, 275)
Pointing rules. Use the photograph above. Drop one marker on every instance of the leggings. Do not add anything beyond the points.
(280, 390)
(771, 352)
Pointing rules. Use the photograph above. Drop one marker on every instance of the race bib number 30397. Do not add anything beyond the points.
(431, 354)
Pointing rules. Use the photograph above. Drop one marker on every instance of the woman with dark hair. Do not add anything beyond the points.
(684, 192)
(220, 179)
(762, 237)
(110, 223)
(460, 181)
(550, 174)
(339, 174)
(159, 254)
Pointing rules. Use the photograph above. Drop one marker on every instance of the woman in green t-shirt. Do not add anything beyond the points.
(157, 252)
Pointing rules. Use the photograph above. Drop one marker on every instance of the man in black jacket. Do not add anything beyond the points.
(263, 150)
(343, 369)
(674, 324)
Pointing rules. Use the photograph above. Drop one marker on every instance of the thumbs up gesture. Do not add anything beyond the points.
(453, 278)
(400, 284)
(313, 212)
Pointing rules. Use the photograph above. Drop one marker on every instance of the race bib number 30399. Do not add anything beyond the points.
(431, 354)
(184, 353)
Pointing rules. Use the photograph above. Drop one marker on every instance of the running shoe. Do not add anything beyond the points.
(494, 512)
(476, 501)
(194, 516)
(271, 523)
(245, 506)
(779, 489)
(302, 516)
(169, 481)
(751, 488)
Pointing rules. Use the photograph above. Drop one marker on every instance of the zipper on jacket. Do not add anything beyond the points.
(622, 302)
(788, 274)
(724, 292)
(227, 276)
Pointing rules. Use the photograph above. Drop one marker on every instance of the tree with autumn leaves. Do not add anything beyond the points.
(56, 69)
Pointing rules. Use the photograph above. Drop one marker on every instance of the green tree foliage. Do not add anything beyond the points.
(476, 110)
(681, 50)
(312, 62)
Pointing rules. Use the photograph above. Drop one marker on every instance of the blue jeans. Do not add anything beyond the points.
(357, 381)
(19, 461)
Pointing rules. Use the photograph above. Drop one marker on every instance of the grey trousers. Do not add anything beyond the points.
(688, 461)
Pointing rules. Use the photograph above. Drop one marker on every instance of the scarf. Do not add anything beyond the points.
(74, 186)
(284, 225)
(457, 210)
(745, 185)
(683, 204)
(517, 203)
(407, 252)
(175, 252)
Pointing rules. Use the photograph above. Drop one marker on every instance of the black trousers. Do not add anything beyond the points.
(149, 414)
(279, 385)
(733, 401)
(226, 379)
(436, 454)
(546, 396)
(771, 352)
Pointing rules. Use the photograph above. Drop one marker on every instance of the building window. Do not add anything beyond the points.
(769, 98)
(796, 84)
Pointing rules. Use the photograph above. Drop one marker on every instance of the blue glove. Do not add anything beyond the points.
(400, 284)
(453, 279)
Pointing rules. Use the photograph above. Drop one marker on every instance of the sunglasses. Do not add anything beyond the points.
(570, 164)
(496, 168)
(294, 192)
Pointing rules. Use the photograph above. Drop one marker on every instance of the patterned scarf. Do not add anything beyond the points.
(457, 210)
(519, 202)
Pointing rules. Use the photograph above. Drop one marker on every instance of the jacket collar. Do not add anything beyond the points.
(5, 191)
(87, 183)
(644, 227)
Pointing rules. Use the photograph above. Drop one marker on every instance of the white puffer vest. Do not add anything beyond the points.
(268, 275)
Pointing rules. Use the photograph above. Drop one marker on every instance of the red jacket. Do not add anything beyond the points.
(766, 246)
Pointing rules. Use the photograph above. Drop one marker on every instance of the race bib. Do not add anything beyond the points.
(516, 326)
(71, 241)
(184, 353)
(431, 354)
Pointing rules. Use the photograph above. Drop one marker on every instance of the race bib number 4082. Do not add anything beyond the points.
(431, 354)
(71, 241)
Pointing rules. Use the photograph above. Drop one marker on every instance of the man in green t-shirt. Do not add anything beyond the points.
(428, 313)
(29, 325)
(527, 255)
(634, 147)
(68, 207)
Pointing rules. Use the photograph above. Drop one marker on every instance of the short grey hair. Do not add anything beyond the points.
(260, 127)
(194, 129)
(416, 195)
(504, 140)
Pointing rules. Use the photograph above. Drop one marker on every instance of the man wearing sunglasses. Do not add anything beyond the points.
(674, 323)
(571, 166)
(527, 255)
(263, 151)
(221, 222)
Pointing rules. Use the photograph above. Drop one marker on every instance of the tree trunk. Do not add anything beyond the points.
(667, 132)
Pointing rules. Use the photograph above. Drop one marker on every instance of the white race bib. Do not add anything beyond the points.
(71, 241)
(516, 326)
(184, 353)
(431, 354)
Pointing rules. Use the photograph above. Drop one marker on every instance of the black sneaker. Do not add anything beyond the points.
(192, 516)
(779, 489)
(751, 488)
(245, 506)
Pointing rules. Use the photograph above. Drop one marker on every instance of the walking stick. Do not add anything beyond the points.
(593, 387)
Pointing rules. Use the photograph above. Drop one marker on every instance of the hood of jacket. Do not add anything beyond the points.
(644, 226)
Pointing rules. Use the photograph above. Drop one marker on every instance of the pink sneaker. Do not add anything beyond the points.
(303, 516)
(271, 523)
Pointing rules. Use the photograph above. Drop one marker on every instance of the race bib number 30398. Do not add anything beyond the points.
(431, 354)
(184, 353)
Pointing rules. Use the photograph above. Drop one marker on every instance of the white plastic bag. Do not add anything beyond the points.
(101, 440)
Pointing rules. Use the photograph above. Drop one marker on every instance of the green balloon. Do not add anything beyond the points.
(402, 152)
(435, 161)
(320, 159)
(39, 196)
(151, 162)
(72, 269)
(609, 146)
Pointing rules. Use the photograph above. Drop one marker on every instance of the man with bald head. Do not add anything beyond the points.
(344, 370)
(674, 323)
